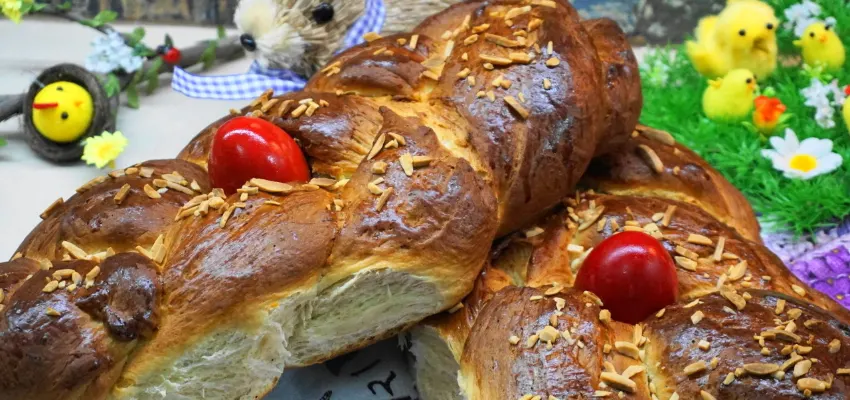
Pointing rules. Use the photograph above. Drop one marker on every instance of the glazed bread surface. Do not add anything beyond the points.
(424, 148)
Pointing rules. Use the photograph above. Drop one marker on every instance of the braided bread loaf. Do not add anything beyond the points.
(149, 283)
(729, 287)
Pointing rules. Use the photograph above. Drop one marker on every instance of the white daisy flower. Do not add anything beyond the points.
(803, 160)
(109, 53)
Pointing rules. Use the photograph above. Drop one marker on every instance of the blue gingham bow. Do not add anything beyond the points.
(258, 79)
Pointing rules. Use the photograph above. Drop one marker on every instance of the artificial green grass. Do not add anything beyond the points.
(675, 104)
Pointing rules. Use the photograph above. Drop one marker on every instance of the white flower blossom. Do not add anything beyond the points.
(817, 96)
(109, 53)
(801, 15)
(803, 160)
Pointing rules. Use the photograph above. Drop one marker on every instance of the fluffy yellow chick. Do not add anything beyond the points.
(742, 36)
(62, 111)
(730, 98)
(821, 46)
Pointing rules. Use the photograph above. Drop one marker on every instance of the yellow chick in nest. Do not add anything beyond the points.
(821, 46)
(730, 98)
(742, 36)
(62, 111)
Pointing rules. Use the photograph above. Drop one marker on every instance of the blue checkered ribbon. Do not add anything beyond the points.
(258, 79)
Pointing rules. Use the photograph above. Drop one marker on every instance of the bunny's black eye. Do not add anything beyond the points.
(742, 32)
(323, 13)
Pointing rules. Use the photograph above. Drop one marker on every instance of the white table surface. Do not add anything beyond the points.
(159, 129)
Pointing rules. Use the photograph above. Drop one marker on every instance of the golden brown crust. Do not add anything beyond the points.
(93, 221)
(622, 79)
(63, 343)
(684, 177)
(733, 341)
(570, 368)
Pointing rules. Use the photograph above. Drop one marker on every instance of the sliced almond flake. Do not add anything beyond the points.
(834, 346)
(480, 94)
(463, 73)
(480, 28)
(117, 173)
(730, 294)
(633, 370)
(718, 251)
(794, 313)
(658, 136)
(322, 182)
(431, 75)
(516, 12)
(176, 178)
(413, 40)
(122, 194)
(379, 167)
(506, 84)
(544, 3)
(513, 103)
(547, 84)
(531, 341)
(668, 215)
(50, 287)
(559, 303)
(601, 393)
(298, 111)
(421, 161)
(401, 41)
(470, 80)
(682, 251)
(799, 290)
(513, 339)
(311, 109)
(783, 335)
(760, 369)
(495, 60)
(324, 103)
(52, 312)
(398, 138)
(534, 24)
(695, 368)
(553, 62)
(618, 382)
(650, 158)
(180, 188)
(74, 250)
(491, 95)
(660, 313)
(843, 371)
(501, 40)
(699, 239)
(686, 263)
(738, 270)
(693, 304)
(627, 349)
(406, 161)
(374, 188)
(52, 207)
(92, 183)
(284, 107)
(470, 39)
(382, 201)
(371, 36)
(379, 144)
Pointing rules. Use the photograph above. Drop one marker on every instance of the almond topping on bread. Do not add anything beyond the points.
(523, 113)
(696, 367)
(627, 349)
(52, 207)
(501, 40)
(371, 36)
(122, 193)
(553, 62)
(75, 251)
(618, 382)
(496, 60)
(650, 158)
(382, 201)
(799, 290)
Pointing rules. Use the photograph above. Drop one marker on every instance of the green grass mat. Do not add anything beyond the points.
(673, 90)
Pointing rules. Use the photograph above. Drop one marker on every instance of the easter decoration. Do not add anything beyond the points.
(742, 36)
(68, 106)
(785, 146)
(730, 98)
(290, 40)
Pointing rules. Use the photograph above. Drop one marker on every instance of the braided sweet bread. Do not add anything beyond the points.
(150, 283)
(734, 297)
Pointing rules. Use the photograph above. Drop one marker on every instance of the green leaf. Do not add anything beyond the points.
(132, 95)
(135, 37)
(111, 86)
(168, 41)
(143, 51)
(103, 17)
(38, 6)
(26, 7)
(2, 142)
(65, 6)
(152, 75)
(220, 33)
(208, 56)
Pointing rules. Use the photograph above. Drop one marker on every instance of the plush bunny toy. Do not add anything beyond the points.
(302, 35)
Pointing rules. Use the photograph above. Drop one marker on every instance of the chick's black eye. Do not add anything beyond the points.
(742, 32)
(64, 115)
(826, 28)
(749, 80)
(59, 88)
(323, 13)
(769, 26)
(811, 34)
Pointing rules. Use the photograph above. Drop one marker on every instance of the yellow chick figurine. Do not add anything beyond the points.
(845, 109)
(62, 111)
(742, 36)
(730, 98)
(821, 46)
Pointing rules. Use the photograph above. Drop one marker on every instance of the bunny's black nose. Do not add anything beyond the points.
(248, 42)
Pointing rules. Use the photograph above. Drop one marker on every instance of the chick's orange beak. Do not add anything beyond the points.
(823, 38)
(44, 106)
(752, 85)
